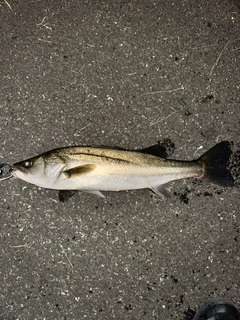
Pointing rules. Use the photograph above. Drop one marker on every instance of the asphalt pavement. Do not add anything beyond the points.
(128, 74)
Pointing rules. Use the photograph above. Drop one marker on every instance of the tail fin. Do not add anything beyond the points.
(215, 161)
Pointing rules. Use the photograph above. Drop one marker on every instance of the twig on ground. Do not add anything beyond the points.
(64, 252)
(44, 24)
(7, 4)
(235, 49)
(218, 58)
(153, 123)
(163, 91)
(43, 40)
(21, 245)
(204, 47)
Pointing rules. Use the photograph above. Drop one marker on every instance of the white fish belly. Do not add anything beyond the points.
(107, 178)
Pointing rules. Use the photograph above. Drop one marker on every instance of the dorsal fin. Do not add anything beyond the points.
(163, 149)
(155, 150)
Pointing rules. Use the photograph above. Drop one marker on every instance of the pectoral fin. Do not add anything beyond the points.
(64, 195)
(80, 170)
(162, 190)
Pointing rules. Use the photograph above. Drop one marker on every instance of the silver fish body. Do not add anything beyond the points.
(101, 169)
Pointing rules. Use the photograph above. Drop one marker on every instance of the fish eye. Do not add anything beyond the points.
(27, 164)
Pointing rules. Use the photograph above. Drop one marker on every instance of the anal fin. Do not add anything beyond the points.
(162, 190)
(95, 192)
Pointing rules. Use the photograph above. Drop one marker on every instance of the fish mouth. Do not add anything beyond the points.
(5, 171)
(15, 171)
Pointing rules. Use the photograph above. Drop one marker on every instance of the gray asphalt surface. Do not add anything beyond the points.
(118, 73)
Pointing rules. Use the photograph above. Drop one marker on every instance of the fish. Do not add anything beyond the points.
(97, 169)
